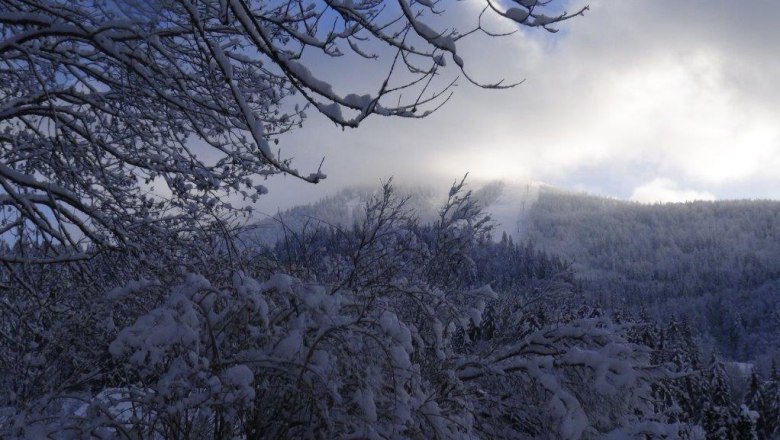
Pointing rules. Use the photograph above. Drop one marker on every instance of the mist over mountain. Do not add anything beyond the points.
(508, 204)
(341, 209)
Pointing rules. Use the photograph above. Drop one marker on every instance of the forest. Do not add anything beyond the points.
(143, 297)
(714, 264)
(385, 327)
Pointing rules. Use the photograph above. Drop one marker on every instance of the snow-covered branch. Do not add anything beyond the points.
(119, 115)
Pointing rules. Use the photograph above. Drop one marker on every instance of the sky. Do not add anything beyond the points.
(646, 100)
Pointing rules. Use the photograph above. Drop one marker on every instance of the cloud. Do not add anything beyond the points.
(634, 91)
(666, 191)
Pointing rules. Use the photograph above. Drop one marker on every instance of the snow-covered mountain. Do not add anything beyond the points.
(716, 264)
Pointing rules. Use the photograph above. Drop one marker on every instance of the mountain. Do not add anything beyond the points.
(715, 265)
(507, 203)
(340, 209)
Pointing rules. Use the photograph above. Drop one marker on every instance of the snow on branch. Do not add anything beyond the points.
(110, 109)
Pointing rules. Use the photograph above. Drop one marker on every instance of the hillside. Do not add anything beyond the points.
(714, 263)
(508, 204)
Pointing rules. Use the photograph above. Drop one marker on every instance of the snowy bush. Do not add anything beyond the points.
(391, 340)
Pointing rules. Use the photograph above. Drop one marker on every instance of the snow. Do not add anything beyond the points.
(365, 400)
(279, 282)
(458, 60)
(332, 110)
(511, 206)
(308, 79)
(400, 357)
(517, 14)
(130, 287)
(645, 429)
(484, 292)
(437, 39)
(241, 378)
(291, 346)
(359, 101)
(394, 328)
(475, 315)
(744, 369)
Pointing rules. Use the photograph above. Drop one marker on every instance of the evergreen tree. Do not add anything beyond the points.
(720, 416)
(488, 324)
(766, 401)
(764, 405)
(745, 426)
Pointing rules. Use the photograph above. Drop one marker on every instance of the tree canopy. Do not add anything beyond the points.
(125, 118)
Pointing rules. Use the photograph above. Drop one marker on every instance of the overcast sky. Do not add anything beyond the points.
(650, 100)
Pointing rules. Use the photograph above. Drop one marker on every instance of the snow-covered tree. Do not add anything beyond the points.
(367, 349)
(721, 414)
(762, 398)
(125, 118)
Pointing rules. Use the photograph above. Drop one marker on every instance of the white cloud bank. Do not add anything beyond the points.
(666, 191)
(634, 91)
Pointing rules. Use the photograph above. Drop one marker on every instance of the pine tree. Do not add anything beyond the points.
(767, 404)
(488, 324)
(758, 400)
(720, 416)
(745, 426)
